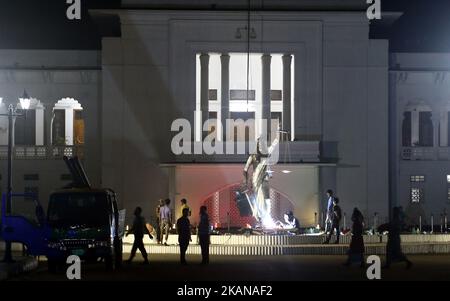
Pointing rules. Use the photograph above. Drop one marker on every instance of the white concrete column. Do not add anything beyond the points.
(204, 90)
(3, 125)
(48, 116)
(414, 127)
(225, 93)
(266, 59)
(287, 99)
(69, 125)
(444, 129)
(40, 127)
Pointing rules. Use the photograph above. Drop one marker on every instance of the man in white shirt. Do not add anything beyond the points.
(165, 216)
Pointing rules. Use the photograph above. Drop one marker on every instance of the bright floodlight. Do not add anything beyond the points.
(25, 101)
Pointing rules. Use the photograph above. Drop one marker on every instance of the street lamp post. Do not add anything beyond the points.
(12, 113)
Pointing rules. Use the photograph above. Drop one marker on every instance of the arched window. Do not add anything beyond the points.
(67, 123)
(417, 125)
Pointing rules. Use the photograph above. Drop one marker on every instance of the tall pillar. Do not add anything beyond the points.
(225, 93)
(287, 98)
(266, 58)
(204, 90)
(48, 116)
(69, 126)
(414, 127)
(40, 126)
(444, 129)
(3, 125)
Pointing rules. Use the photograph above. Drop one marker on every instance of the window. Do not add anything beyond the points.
(448, 194)
(406, 129)
(59, 123)
(448, 130)
(416, 195)
(244, 86)
(25, 128)
(419, 179)
(425, 129)
(78, 127)
(242, 95)
(448, 179)
(276, 95)
(212, 95)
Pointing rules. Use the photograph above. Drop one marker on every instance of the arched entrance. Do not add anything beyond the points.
(223, 211)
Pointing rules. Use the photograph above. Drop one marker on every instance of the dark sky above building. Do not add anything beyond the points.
(42, 24)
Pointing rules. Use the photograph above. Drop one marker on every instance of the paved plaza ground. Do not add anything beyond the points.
(252, 268)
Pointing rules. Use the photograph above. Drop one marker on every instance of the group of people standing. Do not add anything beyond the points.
(333, 217)
(356, 250)
(332, 224)
(163, 227)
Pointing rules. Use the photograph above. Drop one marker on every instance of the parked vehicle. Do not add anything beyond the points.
(80, 221)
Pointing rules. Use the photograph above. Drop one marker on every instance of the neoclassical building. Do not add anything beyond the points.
(312, 69)
(420, 106)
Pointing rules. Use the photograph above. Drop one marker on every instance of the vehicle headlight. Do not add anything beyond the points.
(100, 243)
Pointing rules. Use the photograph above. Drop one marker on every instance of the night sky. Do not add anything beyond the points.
(42, 24)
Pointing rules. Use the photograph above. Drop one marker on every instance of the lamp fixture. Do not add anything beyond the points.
(25, 101)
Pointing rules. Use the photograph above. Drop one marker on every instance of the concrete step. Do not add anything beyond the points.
(312, 249)
(277, 240)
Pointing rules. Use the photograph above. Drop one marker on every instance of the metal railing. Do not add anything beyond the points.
(42, 152)
(425, 153)
(289, 151)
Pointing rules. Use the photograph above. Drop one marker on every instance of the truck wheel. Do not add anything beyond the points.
(113, 260)
(118, 252)
(109, 262)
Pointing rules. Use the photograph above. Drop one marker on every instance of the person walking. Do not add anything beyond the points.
(329, 210)
(203, 234)
(335, 221)
(165, 215)
(139, 229)
(158, 221)
(356, 250)
(184, 234)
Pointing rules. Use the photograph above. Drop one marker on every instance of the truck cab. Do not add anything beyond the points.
(80, 220)
(86, 223)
